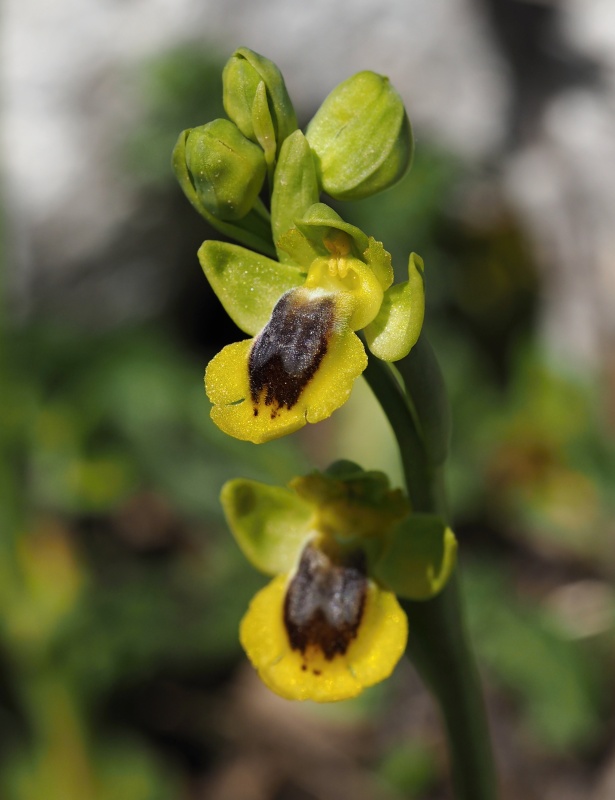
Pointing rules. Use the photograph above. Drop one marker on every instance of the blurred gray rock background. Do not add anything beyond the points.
(522, 91)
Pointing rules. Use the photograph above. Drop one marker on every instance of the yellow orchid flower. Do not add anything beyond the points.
(338, 631)
(304, 356)
(329, 623)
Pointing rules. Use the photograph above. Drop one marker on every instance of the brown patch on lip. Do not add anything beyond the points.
(289, 350)
(325, 601)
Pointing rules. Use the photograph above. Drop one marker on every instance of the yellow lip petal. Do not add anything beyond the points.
(332, 384)
(275, 403)
(226, 380)
(295, 675)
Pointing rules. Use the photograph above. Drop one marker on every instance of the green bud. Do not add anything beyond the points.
(361, 137)
(226, 169)
(256, 99)
(295, 187)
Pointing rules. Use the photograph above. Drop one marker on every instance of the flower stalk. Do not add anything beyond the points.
(437, 643)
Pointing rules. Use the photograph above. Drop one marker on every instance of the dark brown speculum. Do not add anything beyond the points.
(288, 351)
(325, 602)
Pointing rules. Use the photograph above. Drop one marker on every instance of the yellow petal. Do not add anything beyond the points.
(226, 380)
(332, 384)
(295, 675)
(382, 637)
(255, 399)
(227, 385)
(354, 279)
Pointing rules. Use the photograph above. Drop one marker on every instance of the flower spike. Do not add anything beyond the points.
(330, 279)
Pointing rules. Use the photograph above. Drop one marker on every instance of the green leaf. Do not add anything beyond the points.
(269, 523)
(398, 325)
(295, 189)
(247, 284)
(420, 557)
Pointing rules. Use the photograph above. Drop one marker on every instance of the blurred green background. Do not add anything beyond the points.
(121, 591)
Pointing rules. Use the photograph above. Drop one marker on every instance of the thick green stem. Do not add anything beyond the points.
(390, 395)
(437, 643)
(439, 648)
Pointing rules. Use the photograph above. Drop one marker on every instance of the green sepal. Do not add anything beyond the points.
(247, 284)
(298, 249)
(269, 523)
(398, 324)
(426, 390)
(295, 188)
(314, 236)
(318, 224)
(419, 558)
(264, 129)
(343, 469)
(306, 241)
(256, 99)
(253, 230)
(361, 137)
(352, 502)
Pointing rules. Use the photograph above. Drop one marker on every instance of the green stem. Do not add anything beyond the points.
(391, 397)
(440, 650)
(437, 641)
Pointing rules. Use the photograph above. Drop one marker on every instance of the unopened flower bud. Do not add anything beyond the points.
(256, 99)
(226, 169)
(361, 137)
